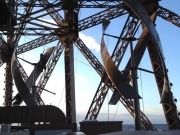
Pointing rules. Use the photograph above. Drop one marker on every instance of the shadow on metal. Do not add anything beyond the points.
(29, 114)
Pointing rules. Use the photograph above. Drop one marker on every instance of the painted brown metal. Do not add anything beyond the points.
(40, 66)
(102, 89)
(172, 119)
(37, 71)
(169, 16)
(138, 54)
(165, 94)
(87, 23)
(167, 99)
(117, 78)
(140, 11)
(48, 71)
(20, 84)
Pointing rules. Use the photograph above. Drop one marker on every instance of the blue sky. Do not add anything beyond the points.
(87, 79)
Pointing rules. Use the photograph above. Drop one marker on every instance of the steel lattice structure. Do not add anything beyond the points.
(27, 18)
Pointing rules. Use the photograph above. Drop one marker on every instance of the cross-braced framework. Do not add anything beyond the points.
(21, 18)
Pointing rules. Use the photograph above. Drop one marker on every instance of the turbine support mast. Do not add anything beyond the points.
(134, 77)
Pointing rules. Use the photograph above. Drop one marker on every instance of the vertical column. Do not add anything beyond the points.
(8, 85)
(71, 21)
(8, 76)
(70, 85)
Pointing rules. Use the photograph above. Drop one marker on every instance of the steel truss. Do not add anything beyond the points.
(29, 23)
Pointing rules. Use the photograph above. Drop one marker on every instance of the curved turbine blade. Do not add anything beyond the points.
(37, 71)
(115, 98)
(39, 68)
(138, 54)
(139, 10)
(118, 79)
(141, 44)
(20, 84)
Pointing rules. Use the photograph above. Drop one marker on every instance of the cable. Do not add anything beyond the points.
(61, 96)
(83, 62)
(76, 60)
(108, 106)
(116, 111)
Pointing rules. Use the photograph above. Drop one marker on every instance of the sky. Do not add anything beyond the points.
(87, 80)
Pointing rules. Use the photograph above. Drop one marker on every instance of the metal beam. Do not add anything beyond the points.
(81, 4)
(55, 15)
(118, 53)
(159, 67)
(169, 16)
(103, 89)
(85, 23)
(36, 43)
(48, 71)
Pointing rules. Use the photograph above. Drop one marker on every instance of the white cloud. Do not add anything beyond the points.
(90, 42)
(79, 77)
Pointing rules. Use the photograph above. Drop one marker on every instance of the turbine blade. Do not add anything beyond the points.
(118, 79)
(115, 98)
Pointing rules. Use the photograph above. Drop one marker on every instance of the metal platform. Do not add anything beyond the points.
(170, 132)
(45, 132)
(100, 127)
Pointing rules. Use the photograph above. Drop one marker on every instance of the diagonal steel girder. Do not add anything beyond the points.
(22, 25)
(81, 4)
(38, 68)
(48, 71)
(103, 89)
(83, 24)
(22, 71)
(19, 37)
(169, 16)
(169, 105)
(55, 15)
(95, 19)
(118, 53)
(12, 43)
(98, 3)
(86, 23)
(137, 9)
(162, 12)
